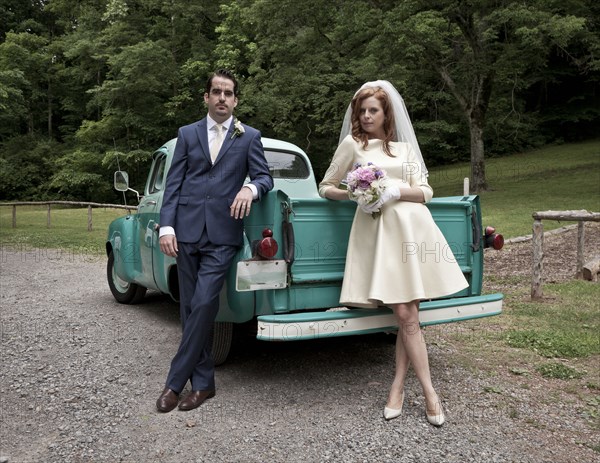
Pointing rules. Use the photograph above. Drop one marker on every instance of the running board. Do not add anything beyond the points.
(348, 322)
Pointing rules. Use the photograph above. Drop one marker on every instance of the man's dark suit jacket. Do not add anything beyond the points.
(198, 194)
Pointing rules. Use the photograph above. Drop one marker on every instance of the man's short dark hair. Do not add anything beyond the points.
(225, 73)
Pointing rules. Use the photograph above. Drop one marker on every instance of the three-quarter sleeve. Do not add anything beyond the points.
(417, 176)
(340, 165)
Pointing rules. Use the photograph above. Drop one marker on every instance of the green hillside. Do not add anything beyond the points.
(565, 177)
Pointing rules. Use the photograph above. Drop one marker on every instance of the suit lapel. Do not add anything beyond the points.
(202, 133)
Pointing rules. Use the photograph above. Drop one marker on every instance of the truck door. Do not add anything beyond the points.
(148, 215)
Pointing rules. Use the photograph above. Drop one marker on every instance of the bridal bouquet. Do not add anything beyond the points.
(366, 183)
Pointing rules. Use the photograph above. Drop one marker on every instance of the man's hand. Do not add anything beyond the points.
(168, 245)
(242, 203)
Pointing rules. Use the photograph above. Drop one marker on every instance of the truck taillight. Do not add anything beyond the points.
(493, 239)
(267, 247)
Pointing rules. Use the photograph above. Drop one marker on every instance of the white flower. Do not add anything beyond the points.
(238, 129)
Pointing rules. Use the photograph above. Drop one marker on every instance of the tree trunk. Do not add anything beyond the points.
(474, 107)
(478, 180)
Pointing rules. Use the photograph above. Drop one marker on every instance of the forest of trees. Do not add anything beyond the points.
(82, 81)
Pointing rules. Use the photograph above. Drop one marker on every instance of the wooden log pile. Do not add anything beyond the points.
(591, 270)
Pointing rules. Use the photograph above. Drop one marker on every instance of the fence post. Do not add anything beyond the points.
(90, 218)
(14, 216)
(538, 259)
(580, 245)
(48, 221)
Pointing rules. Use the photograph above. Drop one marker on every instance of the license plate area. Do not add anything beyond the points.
(261, 274)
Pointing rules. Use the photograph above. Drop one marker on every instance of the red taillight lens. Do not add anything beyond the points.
(493, 239)
(498, 241)
(267, 247)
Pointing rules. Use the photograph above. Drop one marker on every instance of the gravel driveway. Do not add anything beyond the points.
(80, 375)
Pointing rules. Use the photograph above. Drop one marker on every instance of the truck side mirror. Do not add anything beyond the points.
(121, 181)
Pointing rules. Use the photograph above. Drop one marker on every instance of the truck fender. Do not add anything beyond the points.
(125, 248)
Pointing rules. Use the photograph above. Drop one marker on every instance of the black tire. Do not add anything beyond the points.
(221, 341)
(123, 292)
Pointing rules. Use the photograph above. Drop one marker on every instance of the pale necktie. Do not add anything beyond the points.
(215, 146)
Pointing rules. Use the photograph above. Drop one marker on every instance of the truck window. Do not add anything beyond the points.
(286, 165)
(157, 177)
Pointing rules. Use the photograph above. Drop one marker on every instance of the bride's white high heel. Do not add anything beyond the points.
(391, 413)
(437, 419)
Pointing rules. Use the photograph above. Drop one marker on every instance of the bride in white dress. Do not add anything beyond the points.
(400, 257)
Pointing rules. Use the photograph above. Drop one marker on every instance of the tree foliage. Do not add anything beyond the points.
(81, 80)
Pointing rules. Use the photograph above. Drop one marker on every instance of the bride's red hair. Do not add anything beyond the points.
(388, 124)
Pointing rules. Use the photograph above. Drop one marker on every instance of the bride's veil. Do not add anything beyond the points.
(404, 129)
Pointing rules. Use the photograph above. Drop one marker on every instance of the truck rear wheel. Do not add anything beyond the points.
(221, 340)
(123, 291)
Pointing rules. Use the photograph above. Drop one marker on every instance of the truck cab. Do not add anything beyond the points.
(292, 287)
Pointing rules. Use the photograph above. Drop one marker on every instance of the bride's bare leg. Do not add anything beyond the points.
(402, 364)
(413, 348)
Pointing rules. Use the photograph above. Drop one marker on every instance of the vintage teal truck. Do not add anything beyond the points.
(287, 276)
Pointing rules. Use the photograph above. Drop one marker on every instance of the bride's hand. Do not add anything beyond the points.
(391, 192)
(370, 208)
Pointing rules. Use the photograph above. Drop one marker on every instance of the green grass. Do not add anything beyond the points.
(565, 326)
(556, 339)
(68, 228)
(552, 342)
(565, 177)
(558, 371)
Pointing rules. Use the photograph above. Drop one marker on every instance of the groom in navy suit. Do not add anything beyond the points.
(204, 202)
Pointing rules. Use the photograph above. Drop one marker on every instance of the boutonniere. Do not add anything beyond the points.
(238, 129)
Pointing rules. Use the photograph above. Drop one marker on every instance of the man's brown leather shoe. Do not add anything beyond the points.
(195, 399)
(167, 400)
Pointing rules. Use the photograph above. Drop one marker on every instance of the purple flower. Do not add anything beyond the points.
(365, 184)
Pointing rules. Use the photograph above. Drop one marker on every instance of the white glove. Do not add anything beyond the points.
(371, 207)
(390, 192)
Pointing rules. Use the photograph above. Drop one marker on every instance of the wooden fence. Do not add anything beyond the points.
(64, 203)
(538, 242)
